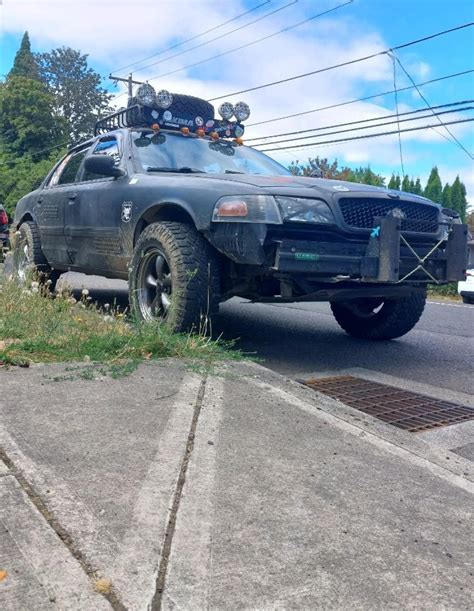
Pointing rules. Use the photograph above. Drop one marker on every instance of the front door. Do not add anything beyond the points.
(92, 217)
(51, 208)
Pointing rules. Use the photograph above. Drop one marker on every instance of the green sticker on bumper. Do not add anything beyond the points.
(306, 256)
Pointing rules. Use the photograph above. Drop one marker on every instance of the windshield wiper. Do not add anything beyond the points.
(233, 172)
(183, 170)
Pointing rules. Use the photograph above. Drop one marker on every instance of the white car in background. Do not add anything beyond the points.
(466, 287)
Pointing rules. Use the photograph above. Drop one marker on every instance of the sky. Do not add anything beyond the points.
(122, 36)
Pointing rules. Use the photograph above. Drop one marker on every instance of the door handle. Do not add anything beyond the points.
(72, 196)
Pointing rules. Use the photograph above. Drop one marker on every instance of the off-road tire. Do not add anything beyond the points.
(193, 271)
(395, 318)
(189, 105)
(28, 235)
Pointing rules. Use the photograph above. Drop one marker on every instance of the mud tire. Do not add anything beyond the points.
(191, 271)
(28, 260)
(365, 319)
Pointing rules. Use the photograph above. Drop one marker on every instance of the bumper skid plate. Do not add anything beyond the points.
(388, 257)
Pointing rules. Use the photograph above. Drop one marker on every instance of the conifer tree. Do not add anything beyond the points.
(25, 63)
(434, 188)
(458, 198)
(394, 182)
(406, 184)
(446, 196)
(418, 190)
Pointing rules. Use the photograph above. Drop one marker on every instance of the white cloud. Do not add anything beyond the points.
(119, 32)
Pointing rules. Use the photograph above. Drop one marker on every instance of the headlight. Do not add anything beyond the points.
(302, 210)
(451, 215)
(247, 209)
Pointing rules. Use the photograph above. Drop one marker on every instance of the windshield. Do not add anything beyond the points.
(175, 152)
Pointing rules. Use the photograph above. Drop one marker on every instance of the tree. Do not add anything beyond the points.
(25, 64)
(458, 198)
(78, 96)
(470, 221)
(394, 182)
(27, 122)
(446, 196)
(406, 184)
(331, 170)
(366, 176)
(434, 188)
(20, 175)
(418, 189)
(328, 170)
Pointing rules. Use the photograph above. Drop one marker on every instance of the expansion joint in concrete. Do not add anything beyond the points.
(171, 526)
(57, 527)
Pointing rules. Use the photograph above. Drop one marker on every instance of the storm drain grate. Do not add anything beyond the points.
(404, 409)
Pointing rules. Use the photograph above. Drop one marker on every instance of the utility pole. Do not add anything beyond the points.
(129, 80)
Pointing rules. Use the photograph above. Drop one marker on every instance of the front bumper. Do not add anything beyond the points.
(388, 257)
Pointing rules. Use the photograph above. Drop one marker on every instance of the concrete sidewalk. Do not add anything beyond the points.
(241, 489)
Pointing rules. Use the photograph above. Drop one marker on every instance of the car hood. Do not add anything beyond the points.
(305, 186)
(296, 186)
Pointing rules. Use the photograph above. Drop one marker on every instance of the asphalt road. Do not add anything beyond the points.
(303, 338)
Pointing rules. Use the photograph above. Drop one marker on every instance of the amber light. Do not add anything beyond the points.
(238, 141)
(233, 208)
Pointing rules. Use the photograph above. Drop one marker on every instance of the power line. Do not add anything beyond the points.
(428, 105)
(364, 99)
(347, 63)
(398, 117)
(179, 44)
(353, 129)
(249, 44)
(410, 129)
(246, 25)
(316, 129)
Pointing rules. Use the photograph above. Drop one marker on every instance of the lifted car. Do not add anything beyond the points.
(167, 196)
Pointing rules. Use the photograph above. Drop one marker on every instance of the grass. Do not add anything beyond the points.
(449, 291)
(35, 327)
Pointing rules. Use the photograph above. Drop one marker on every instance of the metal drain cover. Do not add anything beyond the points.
(401, 408)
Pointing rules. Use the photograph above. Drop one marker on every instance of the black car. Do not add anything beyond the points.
(167, 196)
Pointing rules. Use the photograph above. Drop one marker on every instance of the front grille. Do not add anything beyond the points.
(361, 211)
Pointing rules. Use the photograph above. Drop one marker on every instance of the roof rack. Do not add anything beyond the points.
(117, 120)
(173, 118)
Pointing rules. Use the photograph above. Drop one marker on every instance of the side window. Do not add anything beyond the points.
(67, 170)
(106, 146)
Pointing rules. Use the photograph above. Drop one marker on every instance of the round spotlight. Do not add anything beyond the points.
(241, 111)
(226, 110)
(164, 99)
(146, 95)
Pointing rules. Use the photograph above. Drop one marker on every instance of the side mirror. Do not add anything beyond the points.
(103, 165)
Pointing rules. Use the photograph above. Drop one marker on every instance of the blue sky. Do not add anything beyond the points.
(118, 32)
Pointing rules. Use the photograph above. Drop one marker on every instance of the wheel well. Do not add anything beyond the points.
(26, 217)
(166, 212)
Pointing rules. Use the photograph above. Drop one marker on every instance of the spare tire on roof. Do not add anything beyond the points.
(188, 105)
